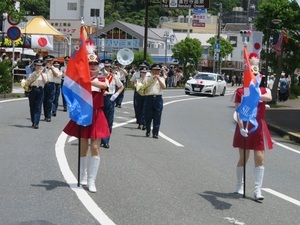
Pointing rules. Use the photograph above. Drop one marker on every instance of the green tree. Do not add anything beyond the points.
(188, 53)
(225, 46)
(139, 59)
(37, 7)
(286, 11)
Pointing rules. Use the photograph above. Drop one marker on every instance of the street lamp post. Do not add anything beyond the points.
(69, 42)
(217, 57)
(166, 36)
(169, 38)
(268, 36)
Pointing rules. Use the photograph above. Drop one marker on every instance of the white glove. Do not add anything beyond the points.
(244, 132)
(114, 96)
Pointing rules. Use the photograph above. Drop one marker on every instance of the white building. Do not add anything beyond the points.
(66, 15)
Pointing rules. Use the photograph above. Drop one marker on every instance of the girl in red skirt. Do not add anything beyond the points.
(94, 132)
(258, 141)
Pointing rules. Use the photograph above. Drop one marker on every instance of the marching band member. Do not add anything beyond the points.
(122, 72)
(36, 95)
(57, 83)
(140, 99)
(63, 69)
(258, 140)
(97, 130)
(153, 100)
(49, 89)
(109, 97)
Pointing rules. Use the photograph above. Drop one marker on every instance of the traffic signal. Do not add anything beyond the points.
(245, 33)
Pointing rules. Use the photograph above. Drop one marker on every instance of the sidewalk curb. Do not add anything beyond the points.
(292, 136)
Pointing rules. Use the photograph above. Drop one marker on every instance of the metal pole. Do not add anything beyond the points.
(97, 24)
(146, 29)
(218, 38)
(166, 50)
(267, 54)
(70, 44)
(189, 23)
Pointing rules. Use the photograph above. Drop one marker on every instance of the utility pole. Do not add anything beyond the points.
(217, 50)
(147, 4)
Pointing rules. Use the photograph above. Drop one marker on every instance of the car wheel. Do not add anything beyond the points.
(214, 92)
(223, 92)
(187, 93)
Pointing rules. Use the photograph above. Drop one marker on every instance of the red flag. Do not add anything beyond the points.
(247, 110)
(77, 85)
(248, 74)
(278, 46)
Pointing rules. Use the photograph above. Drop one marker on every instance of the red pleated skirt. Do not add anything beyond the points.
(97, 130)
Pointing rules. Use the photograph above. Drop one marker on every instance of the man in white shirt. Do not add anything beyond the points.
(154, 100)
(122, 72)
(109, 97)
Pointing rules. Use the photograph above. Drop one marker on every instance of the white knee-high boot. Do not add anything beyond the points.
(258, 177)
(94, 166)
(240, 180)
(83, 170)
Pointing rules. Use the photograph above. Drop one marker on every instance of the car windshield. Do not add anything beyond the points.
(205, 76)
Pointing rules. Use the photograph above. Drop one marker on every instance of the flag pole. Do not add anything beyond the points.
(244, 194)
(79, 150)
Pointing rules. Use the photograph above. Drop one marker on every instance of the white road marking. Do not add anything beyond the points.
(82, 195)
(12, 100)
(284, 197)
(234, 221)
(286, 147)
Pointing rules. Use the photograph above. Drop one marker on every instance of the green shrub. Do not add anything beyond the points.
(294, 92)
(5, 77)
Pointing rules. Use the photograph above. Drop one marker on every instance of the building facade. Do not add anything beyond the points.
(89, 10)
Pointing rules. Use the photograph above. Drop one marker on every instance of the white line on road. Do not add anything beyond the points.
(285, 197)
(83, 196)
(286, 147)
(12, 100)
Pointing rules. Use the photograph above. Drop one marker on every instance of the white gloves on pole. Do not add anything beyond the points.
(244, 132)
(114, 96)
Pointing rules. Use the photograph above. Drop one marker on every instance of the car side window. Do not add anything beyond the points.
(220, 78)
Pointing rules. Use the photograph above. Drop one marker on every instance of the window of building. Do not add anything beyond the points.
(95, 12)
(72, 6)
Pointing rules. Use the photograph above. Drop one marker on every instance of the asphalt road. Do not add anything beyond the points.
(187, 176)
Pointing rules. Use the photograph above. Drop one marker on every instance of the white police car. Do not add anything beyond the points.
(206, 83)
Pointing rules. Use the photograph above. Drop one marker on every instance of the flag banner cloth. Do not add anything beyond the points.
(77, 85)
(42, 42)
(247, 110)
(278, 46)
(257, 42)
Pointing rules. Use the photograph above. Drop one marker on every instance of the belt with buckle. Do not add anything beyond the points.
(37, 87)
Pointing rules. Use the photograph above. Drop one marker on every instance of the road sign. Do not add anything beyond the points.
(11, 20)
(185, 4)
(198, 24)
(13, 33)
(217, 47)
(199, 11)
